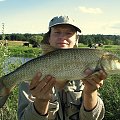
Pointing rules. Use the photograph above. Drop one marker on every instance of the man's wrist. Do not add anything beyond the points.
(41, 114)
(90, 100)
(41, 107)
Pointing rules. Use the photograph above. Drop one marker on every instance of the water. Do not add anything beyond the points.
(13, 62)
(19, 59)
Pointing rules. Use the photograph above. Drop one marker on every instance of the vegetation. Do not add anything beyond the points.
(85, 39)
(17, 49)
(24, 51)
(110, 92)
(9, 111)
(33, 39)
(104, 39)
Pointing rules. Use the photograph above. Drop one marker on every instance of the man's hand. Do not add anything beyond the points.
(42, 91)
(93, 81)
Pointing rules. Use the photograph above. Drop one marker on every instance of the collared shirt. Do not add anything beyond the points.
(65, 104)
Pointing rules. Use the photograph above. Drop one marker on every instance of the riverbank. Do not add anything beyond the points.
(21, 51)
(24, 51)
(17, 49)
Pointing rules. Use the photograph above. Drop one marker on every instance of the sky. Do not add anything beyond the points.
(33, 16)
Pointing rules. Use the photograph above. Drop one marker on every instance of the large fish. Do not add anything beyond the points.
(64, 64)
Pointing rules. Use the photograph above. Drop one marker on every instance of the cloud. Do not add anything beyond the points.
(90, 10)
(115, 25)
(2, 0)
(112, 25)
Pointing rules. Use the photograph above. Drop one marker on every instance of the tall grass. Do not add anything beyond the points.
(9, 110)
(110, 92)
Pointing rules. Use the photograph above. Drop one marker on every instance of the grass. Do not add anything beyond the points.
(9, 110)
(21, 51)
(17, 49)
(110, 92)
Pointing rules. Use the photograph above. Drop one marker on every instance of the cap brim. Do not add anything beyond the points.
(66, 24)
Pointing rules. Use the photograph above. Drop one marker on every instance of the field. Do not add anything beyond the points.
(110, 93)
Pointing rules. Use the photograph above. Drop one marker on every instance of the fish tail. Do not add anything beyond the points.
(4, 93)
(3, 100)
(4, 90)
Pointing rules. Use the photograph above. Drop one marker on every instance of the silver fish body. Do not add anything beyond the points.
(63, 64)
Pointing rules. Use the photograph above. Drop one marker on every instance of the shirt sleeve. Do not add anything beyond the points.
(26, 109)
(96, 114)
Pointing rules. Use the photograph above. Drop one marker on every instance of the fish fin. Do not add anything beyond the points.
(3, 100)
(99, 65)
(47, 48)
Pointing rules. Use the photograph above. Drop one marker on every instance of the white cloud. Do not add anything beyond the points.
(115, 25)
(2, 0)
(90, 10)
(112, 27)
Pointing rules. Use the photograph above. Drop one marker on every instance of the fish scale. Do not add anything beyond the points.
(63, 64)
(52, 62)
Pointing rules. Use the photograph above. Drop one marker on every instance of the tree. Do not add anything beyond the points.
(35, 40)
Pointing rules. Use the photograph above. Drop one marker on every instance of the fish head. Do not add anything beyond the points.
(111, 63)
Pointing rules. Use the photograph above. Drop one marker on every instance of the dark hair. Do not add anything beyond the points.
(46, 38)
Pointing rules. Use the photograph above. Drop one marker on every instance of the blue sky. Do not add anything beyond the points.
(33, 16)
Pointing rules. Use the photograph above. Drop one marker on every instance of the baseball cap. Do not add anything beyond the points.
(61, 20)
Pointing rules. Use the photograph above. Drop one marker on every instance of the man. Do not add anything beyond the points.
(48, 99)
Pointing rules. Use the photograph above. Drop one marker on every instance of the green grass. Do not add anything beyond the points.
(110, 94)
(9, 110)
(21, 51)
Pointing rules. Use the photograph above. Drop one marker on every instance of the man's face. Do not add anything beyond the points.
(62, 36)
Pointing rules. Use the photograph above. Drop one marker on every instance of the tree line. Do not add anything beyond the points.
(96, 39)
(85, 39)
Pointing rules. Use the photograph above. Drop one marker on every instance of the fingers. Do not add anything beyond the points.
(95, 80)
(41, 89)
(44, 85)
(35, 81)
(88, 71)
(100, 74)
(46, 91)
(93, 83)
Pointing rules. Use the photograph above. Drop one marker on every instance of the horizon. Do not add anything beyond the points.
(30, 16)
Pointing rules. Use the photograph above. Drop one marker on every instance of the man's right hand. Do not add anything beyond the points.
(42, 91)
